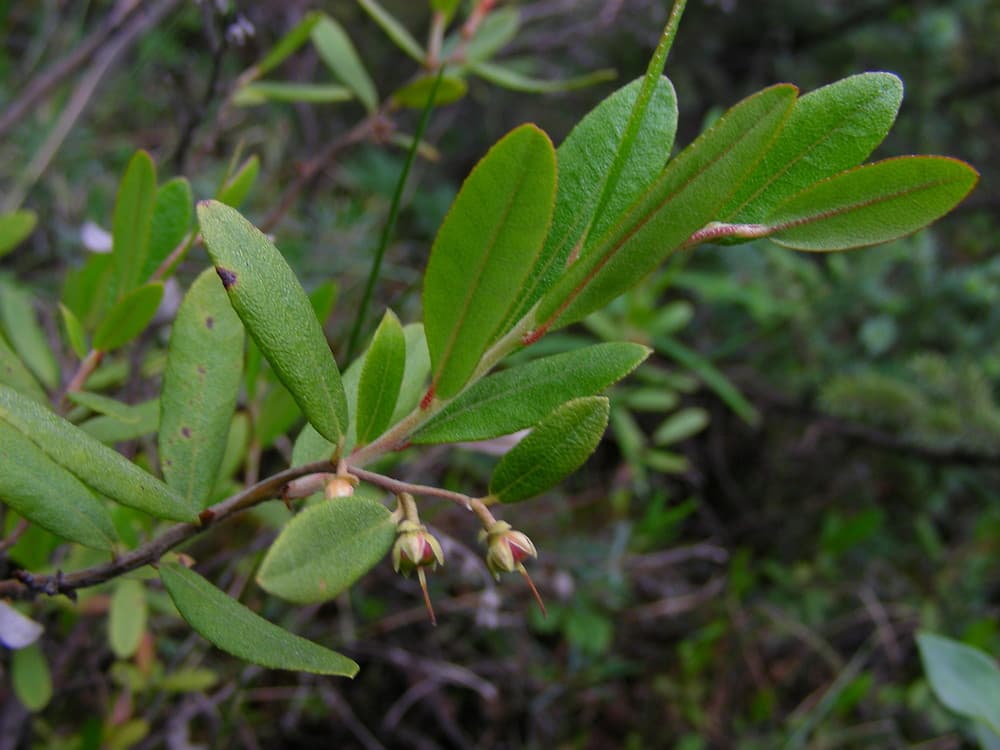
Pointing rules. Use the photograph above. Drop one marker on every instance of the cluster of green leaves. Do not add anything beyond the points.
(538, 238)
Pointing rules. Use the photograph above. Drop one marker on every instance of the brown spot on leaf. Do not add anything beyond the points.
(186, 432)
(228, 277)
(210, 322)
(201, 369)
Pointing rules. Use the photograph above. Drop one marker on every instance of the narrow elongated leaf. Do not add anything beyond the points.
(688, 195)
(520, 397)
(138, 421)
(680, 426)
(200, 386)
(964, 679)
(322, 299)
(129, 317)
(15, 228)
(94, 464)
(496, 31)
(261, 92)
(416, 372)
(45, 493)
(290, 42)
(30, 677)
(556, 448)
(236, 630)
(25, 334)
(130, 227)
(484, 251)
(326, 548)
(830, 129)
(416, 93)
(235, 189)
(87, 290)
(336, 50)
(872, 204)
(14, 373)
(104, 405)
(585, 162)
(381, 376)
(75, 334)
(171, 221)
(126, 617)
(513, 80)
(276, 311)
(393, 29)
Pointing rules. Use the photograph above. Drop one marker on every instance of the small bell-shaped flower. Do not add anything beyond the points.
(506, 551)
(416, 549)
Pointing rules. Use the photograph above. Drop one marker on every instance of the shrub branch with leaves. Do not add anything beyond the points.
(537, 239)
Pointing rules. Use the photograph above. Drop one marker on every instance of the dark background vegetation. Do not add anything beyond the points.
(765, 593)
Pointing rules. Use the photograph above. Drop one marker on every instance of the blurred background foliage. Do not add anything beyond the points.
(803, 474)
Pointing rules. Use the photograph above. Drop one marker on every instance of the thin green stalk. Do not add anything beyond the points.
(390, 223)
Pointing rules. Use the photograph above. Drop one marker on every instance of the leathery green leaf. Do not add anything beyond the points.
(416, 372)
(556, 448)
(512, 80)
(237, 630)
(25, 334)
(200, 386)
(276, 311)
(393, 29)
(14, 228)
(138, 421)
(290, 42)
(96, 465)
(964, 679)
(30, 677)
(46, 494)
(497, 30)
(381, 377)
(415, 93)
(14, 373)
(484, 251)
(170, 223)
(104, 405)
(688, 195)
(336, 50)
(235, 189)
(585, 161)
(872, 204)
(261, 92)
(129, 317)
(326, 548)
(130, 226)
(75, 334)
(517, 398)
(830, 129)
(126, 617)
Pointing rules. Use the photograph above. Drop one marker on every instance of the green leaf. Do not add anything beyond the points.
(127, 617)
(276, 311)
(311, 446)
(261, 92)
(87, 290)
(446, 8)
(75, 334)
(416, 93)
(685, 198)
(495, 32)
(830, 129)
(326, 548)
(586, 159)
(170, 223)
(393, 29)
(336, 50)
(191, 680)
(236, 630)
(381, 377)
(30, 677)
(680, 426)
(277, 413)
(322, 299)
(15, 374)
(46, 494)
(15, 228)
(138, 421)
(200, 386)
(96, 465)
(130, 227)
(235, 189)
(129, 317)
(964, 679)
(872, 204)
(25, 334)
(104, 405)
(556, 448)
(416, 372)
(517, 398)
(482, 255)
(287, 45)
(513, 80)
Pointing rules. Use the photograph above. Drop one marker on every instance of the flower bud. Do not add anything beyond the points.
(506, 548)
(340, 485)
(415, 547)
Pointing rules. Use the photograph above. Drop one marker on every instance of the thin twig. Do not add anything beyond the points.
(27, 586)
(397, 486)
